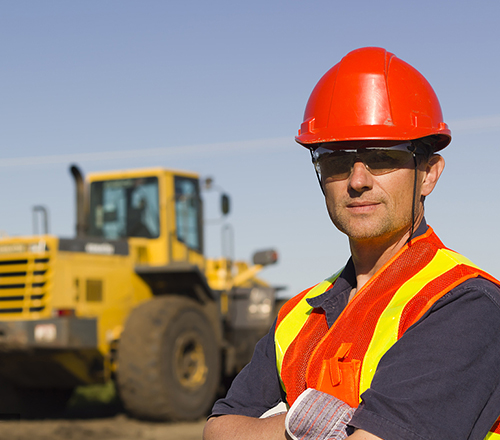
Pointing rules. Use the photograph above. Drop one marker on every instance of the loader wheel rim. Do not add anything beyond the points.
(190, 364)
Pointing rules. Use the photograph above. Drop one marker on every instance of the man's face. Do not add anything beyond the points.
(367, 207)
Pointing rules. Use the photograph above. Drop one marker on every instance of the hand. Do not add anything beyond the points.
(318, 415)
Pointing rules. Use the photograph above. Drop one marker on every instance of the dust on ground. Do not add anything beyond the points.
(119, 427)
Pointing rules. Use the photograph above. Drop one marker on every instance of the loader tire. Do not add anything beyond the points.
(168, 361)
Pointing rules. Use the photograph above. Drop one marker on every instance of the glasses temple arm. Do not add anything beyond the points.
(316, 170)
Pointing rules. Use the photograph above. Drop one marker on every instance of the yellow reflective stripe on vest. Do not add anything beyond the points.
(295, 320)
(386, 330)
(492, 436)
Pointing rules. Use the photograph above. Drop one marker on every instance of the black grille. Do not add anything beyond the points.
(23, 284)
(11, 298)
(12, 274)
(12, 262)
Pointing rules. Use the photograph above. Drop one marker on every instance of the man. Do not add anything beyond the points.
(402, 343)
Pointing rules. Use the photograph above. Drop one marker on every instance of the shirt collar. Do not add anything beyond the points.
(335, 299)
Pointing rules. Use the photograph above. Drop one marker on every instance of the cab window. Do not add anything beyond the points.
(188, 212)
(124, 208)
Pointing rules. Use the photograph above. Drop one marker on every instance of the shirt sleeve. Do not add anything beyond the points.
(441, 379)
(256, 388)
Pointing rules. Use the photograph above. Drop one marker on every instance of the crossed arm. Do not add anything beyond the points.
(232, 427)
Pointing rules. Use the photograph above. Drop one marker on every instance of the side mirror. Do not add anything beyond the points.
(225, 204)
(264, 258)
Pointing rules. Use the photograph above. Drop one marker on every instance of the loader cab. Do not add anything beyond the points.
(159, 212)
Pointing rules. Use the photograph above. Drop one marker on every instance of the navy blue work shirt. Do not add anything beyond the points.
(440, 380)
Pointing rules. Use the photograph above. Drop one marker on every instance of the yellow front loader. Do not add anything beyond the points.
(131, 298)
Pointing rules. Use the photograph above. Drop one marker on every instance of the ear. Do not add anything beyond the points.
(433, 169)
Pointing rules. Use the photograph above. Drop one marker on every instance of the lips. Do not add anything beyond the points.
(361, 204)
(362, 207)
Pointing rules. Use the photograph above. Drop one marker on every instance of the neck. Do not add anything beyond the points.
(371, 255)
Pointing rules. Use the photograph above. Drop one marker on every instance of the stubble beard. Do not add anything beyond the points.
(366, 227)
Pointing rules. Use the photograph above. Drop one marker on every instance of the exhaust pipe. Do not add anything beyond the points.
(40, 214)
(81, 226)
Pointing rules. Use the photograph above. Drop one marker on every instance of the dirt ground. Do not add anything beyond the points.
(95, 413)
(118, 427)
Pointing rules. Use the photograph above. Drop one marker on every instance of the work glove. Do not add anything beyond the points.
(317, 415)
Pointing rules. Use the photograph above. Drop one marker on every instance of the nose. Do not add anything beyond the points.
(360, 179)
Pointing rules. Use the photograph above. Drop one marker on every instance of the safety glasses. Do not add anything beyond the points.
(338, 164)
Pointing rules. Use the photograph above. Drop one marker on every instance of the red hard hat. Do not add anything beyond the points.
(372, 95)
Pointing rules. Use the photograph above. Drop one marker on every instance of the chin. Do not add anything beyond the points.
(369, 230)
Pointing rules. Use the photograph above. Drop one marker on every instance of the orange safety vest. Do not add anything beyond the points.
(342, 360)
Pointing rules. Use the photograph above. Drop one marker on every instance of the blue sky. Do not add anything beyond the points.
(219, 88)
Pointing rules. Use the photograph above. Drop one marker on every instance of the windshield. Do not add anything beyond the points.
(124, 208)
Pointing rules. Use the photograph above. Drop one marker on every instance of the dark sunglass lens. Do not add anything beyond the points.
(336, 165)
(380, 162)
